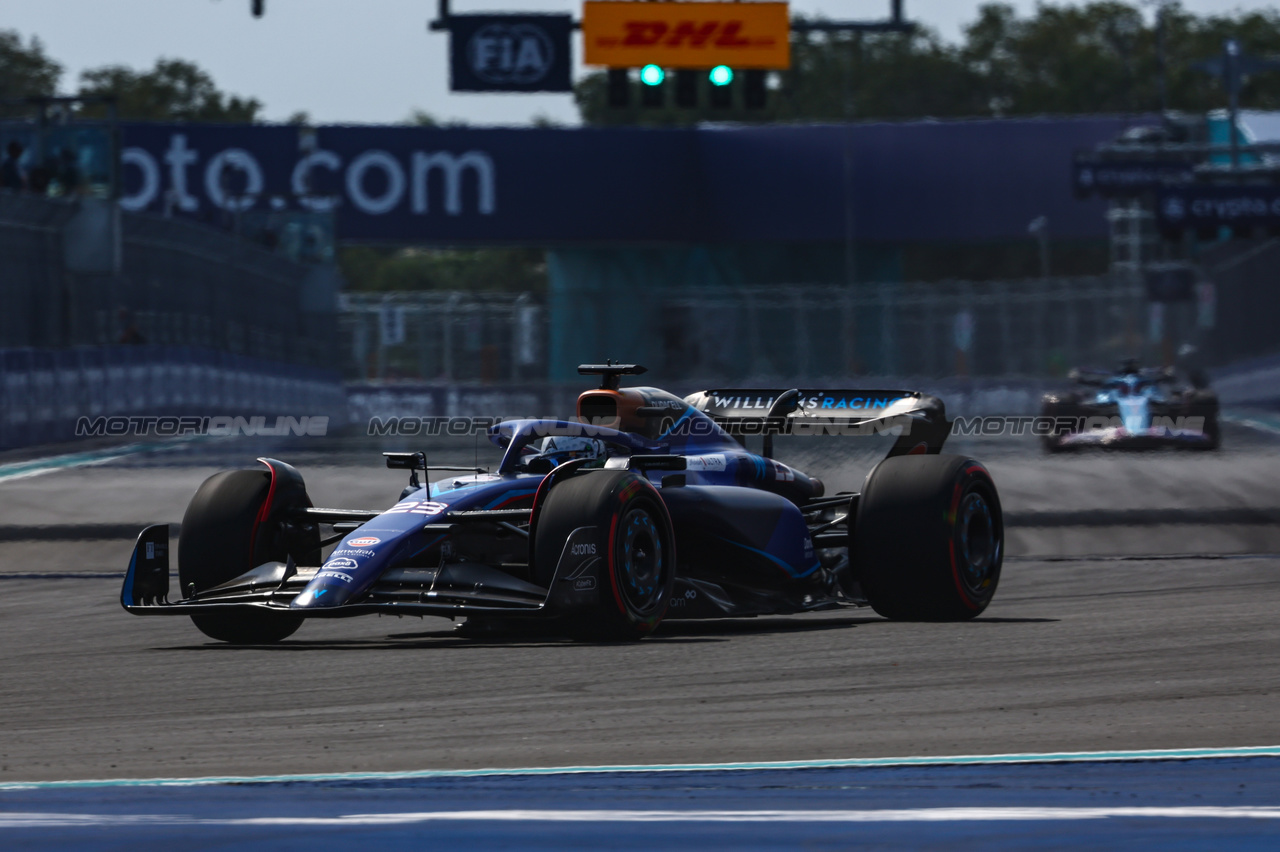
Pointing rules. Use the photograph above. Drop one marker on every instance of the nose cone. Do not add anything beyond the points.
(1133, 412)
(319, 598)
(330, 587)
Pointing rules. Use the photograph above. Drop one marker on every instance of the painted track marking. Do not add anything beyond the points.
(929, 815)
(846, 763)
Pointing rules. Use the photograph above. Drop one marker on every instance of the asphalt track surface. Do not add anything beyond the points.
(1137, 611)
(1075, 654)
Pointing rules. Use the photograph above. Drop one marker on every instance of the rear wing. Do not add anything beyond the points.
(800, 411)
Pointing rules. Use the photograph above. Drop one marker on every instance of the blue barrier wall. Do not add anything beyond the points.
(924, 181)
(43, 392)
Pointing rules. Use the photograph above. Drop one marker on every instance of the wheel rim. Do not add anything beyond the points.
(979, 542)
(640, 560)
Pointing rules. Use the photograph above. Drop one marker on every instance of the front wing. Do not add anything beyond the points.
(448, 590)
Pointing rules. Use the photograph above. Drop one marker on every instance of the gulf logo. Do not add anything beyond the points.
(368, 541)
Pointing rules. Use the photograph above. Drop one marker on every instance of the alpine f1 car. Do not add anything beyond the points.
(1133, 408)
(643, 507)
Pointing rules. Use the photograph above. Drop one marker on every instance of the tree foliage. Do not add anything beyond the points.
(25, 70)
(1092, 58)
(174, 90)
(494, 269)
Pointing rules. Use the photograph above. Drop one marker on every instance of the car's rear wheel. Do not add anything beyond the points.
(638, 569)
(1204, 403)
(929, 539)
(221, 540)
(1052, 408)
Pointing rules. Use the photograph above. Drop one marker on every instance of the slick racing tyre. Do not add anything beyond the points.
(638, 570)
(219, 542)
(929, 538)
(1204, 403)
(1053, 408)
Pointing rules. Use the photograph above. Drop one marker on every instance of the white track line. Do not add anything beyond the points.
(839, 763)
(929, 815)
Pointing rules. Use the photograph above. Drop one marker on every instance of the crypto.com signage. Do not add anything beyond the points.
(421, 184)
(382, 183)
(686, 35)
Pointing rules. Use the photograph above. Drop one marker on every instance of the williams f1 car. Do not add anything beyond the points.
(1133, 408)
(643, 507)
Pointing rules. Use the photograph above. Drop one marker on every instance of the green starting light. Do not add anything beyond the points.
(652, 75)
(721, 75)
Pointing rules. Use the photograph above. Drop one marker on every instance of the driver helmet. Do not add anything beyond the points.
(562, 449)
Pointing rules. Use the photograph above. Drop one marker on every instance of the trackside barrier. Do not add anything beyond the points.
(1254, 382)
(43, 392)
(368, 402)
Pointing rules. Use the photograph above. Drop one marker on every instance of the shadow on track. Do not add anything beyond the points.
(547, 636)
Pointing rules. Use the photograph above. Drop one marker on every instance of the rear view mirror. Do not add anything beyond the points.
(406, 461)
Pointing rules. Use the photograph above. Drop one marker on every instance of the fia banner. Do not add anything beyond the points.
(510, 53)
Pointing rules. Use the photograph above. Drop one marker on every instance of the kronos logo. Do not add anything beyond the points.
(376, 182)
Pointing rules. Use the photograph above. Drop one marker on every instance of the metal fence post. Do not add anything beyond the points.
(1008, 360)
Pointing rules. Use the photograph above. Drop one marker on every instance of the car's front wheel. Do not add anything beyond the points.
(634, 531)
(221, 540)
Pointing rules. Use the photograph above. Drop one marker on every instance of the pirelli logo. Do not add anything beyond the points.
(686, 35)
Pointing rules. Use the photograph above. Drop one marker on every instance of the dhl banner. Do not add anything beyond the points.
(686, 35)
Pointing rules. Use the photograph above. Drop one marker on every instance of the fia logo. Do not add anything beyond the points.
(510, 53)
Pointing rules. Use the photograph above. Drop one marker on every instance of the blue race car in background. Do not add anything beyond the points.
(645, 506)
(1133, 408)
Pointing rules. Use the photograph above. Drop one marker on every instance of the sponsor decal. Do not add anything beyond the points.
(510, 53)
(686, 35)
(1196, 206)
(351, 551)
(862, 402)
(782, 473)
(681, 600)
(151, 550)
(376, 182)
(1129, 177)
(731, 405)
(364, 541)
(580, 555)
(584, 584)
(712, 463)
(342, 563)
(655, 401)
(337, 575)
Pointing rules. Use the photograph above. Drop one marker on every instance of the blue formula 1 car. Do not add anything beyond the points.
(1133, 407)
(645, 506)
